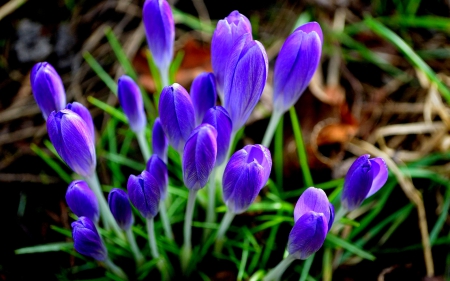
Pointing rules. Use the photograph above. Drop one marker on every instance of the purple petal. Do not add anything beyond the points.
(84, 113)
(158, 169)
(218, 118)
(144, 194)
(120, 207)
(160, 143)
(262, 156)
(380, 175)
(313, 199)
(199, 156)
(239, 20)
(357, 183)
(307, 235)
(176, 115)
(331, 220)
(311, 27)
(130, 99)
(82, 201)
(203, 95)
(86, 239)
(160, 31)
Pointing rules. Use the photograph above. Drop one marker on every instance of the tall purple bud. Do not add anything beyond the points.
(48, 89)
(203, 95)
(158, 169)
(176, 115)
(144, 194)
(245, 78)
(364, 178)
(160, 143)
(130, 99)
(160, 31)
(84, 113)
(218, 117)
(313, 218)
(296, 64)
(73, 141)
(245, 175)
(86, 239)
(225, 36)
(120, 207)
(82, 201)
(199, 156)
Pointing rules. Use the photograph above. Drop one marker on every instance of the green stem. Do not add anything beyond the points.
(210, 213)
(151, 238)
(134, 248)
(186, 250)
(115, 269)
(165, 220)
(164, 77)
(278, 157)
(268, 135)
(301, 149)
(277, 272)
(306, 267)
(143, 145)
(224, 225)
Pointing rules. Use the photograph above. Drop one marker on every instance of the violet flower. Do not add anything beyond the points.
(120, 207)
(160, 143)
(144, 194)
(158, 169)
(203, 95)
(84, 113)
(218, 117)
(87, 241)
(130, 99)
(82, 201)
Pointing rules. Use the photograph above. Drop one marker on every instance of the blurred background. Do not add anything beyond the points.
(371, 91)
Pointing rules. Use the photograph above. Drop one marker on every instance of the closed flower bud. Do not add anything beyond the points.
(158, 169)
(160, 143)
(130, 99)
(203, 95)
(73, 141)
(48, 89)
(84, 113)
(82, 201)
(225, 36)
(296, 64)
(160, 31)
(176, 115)
(199, 156)
(86, 239)
(364, 178)
(245, 175)
(120, 207)
(313, 218)
(245, 78)
(218, 117)
(144, 194)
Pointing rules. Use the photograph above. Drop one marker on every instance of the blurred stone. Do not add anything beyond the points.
(31, 44)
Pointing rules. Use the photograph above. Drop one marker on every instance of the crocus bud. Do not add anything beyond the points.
(364, 178)
(245, 175)
(48, 89)
(313, 218)
(158, 169)
(218, 117)
(225, 36)
(177, 115)
(296, 64)
(199, 156)
(82, 201)
(120, 207)
(203, 95)
(245, 78)
(160, 31)
(130, 99)
(73, 141)
(84, 113)
(144, 194)
(86, 239)
(160, 144)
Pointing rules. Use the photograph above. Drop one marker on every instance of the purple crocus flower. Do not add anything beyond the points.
(225, 36)
(48, 89)
(296, 64)
(82, 201)
(86, 239)
(245, 175)
(84, 113)
(130, 99)
(176, 115)
(73, 141)
(203, 95)
(199, 156)
(218, 117)
(313, 218)
(364, 178)
(160, 143)
(158, 169)
(245, 78)
(160, 31)
(144, 194)
(120, 207)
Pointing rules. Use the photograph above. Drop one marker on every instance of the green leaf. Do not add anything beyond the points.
(51, 247)
(339, 242)
(101, 73)
(53, 164)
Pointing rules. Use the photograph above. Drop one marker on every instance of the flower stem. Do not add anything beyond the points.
(164, 77)
(143, 145)
(165, 220)
(115, 269)
(268, 135)
(277, 272)
(134, 248)
(154, 249)
(211, 214)
(186, 250)
(224, 225)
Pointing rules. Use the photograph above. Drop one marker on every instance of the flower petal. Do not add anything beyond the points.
(130, 99)
(144, 194)
(357, 183)
(86, 239)
(84, 113)
(313, 199)
(218, 118)
(203, 95)
(380, 175)
(158, 169)
(120, 207)
(82, 201)
(160, 143)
